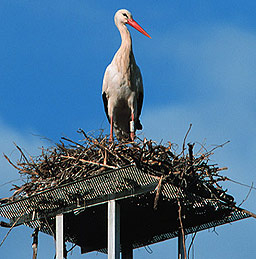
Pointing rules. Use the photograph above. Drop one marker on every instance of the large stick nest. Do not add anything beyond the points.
(70, 161)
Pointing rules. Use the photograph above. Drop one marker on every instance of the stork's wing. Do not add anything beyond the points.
(105, 102)
(104, 92)
(140, 94)
(140, 102)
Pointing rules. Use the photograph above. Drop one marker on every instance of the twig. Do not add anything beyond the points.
(243, 184)
(247, 212)
(49, 226)
(69, 250)
(22, 153)
(191, 158)
(13, 225)
(148, 249)
(190, 151)
(11, 181)
(246, 196)
(185, 138)
(182, 230)
(192, 241)
(5, 224)
(90, 162)
(158, 191)
(77, 144)
(218, 146)
(11, 163)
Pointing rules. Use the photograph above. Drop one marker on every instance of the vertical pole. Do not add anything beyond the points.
(113, 230)
(59, 237)
(35, 242)
(181, 254)
(127, 251)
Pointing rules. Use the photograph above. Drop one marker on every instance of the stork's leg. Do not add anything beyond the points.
(111, 129)
(132, 134)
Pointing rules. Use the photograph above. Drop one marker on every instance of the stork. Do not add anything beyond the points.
(122, 89)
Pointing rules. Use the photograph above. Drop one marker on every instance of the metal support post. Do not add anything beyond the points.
(181, 250)
(59, 237)
(113, 230)
(127, 251)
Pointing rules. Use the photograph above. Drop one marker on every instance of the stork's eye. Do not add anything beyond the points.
(124, 14)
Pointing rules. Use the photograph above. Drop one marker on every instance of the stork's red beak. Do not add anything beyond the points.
(137, 27)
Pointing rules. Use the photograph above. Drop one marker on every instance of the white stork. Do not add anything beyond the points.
(122, 89)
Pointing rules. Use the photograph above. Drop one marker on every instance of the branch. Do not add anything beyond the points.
(246, 196)
(11, 229)
(159, 188)
(182, 230)
(185, 138)
(247, 212)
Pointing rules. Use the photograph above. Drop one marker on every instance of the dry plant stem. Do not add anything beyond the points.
(11, 163)
(90, 162)
(185, 138)
(158, 191)
(246, 196)
(182, 230)
(192, 241)
(190, 150)
(49, 226)
(77, 144)
(219, 146)
(4, 224)
(14, 224)
(242, 184)
(22, 153)
(246, 211)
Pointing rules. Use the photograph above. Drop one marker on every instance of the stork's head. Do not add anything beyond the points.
(123, 17)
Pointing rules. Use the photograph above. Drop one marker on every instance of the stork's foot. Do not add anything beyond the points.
(111, 139)
(132, 135)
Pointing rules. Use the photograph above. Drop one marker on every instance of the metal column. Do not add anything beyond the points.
(181, 254)
(59, 237)
(113, 230)
(127, 251)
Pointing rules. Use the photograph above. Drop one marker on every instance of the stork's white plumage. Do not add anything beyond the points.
(122, 89)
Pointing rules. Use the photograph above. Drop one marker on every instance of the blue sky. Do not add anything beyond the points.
(199, 67)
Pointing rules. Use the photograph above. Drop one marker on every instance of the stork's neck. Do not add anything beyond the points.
(124, 55)
(126, 38)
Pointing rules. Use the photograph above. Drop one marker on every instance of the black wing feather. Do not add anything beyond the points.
(140, 96)
(139, 107)
(140, 102)
(105, 101)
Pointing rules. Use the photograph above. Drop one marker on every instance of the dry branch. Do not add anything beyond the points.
(182, 229)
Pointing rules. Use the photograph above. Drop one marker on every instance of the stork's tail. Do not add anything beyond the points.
(121, 134)
(138, 125)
